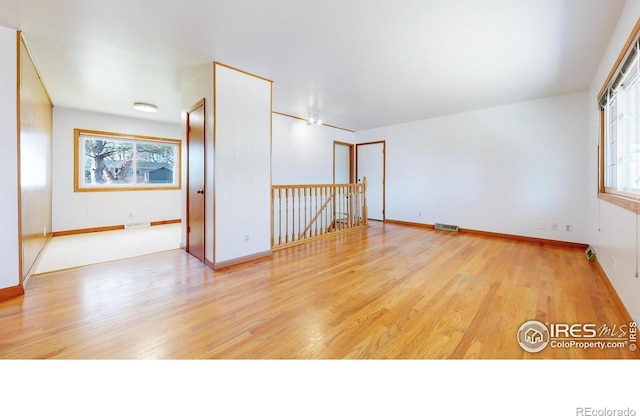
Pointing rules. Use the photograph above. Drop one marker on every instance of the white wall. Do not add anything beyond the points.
(303, 154)
(200, 86)
(79, 210)
(9, 257)
(502, 169)
(242, 164)
(612, 230)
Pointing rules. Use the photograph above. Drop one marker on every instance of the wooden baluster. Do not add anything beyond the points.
(348, 201)
(321, 218)
(325, 199)
(286, 215)
(311, 211)
(354, 205)
(334, 209)
(343, 201)
(293, 214)
(315, 222)
(305, 212)
(365, 213)
(327, 210)
(340, 208)
(279, 216)
(358, 205)
(347, 208)
(299, 211)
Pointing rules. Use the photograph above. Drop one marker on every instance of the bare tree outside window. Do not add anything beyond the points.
(107, 161)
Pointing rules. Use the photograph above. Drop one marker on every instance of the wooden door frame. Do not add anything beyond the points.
(200, 103)
(351, 159)
(384, 172)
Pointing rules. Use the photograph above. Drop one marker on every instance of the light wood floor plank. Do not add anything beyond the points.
(388, 292)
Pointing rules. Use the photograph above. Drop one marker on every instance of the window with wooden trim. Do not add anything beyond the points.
(619, 153)
(121, 162)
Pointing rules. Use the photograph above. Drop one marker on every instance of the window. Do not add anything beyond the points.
(619, 153)
(120, 162)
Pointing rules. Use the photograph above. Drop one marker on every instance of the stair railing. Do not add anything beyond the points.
(300, 213)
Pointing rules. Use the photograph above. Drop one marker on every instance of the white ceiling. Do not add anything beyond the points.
(359, 63)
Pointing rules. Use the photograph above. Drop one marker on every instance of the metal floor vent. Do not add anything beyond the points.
(446, 227)
(590, 253)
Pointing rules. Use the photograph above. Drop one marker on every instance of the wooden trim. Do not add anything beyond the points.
(612, 291)
(621, 56)
(311, 185)
(521, 238)
(629, 204)
(88, 230)
(208, 263)
(604, 194)
(410, 224)
(109, 228)
(240, 70)
(351, 161)
(304, 119)
(271, 212)
(319, 237)
(11, 292)
(214, 128)
(240, 260)
(535, 240)
(44, 86)
(134, 187)
(601, 152)
(166, 222)
(18, 153)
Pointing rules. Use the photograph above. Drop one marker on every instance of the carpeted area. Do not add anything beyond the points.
(70, 251)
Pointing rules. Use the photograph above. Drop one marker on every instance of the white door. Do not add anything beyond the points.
(371, 164)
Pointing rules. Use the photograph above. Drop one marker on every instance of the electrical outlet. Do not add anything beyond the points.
(554, 226)
(246, 238)
(568, 228)
(419, 213)
(613, 264)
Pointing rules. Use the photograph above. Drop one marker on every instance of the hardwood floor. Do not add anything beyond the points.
(390, 291)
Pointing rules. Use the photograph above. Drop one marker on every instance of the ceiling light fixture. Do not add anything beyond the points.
(314, 118)
(147, 108)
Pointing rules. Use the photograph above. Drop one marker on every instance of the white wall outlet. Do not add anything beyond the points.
(419, 213)
(568, 228)
(554, 226)
(613, 264)
(246, 238)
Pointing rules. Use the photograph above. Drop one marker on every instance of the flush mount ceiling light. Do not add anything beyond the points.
(314, 118)
(147, 108)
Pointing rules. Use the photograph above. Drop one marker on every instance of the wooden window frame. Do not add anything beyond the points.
(77, 163)
(604, 193)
